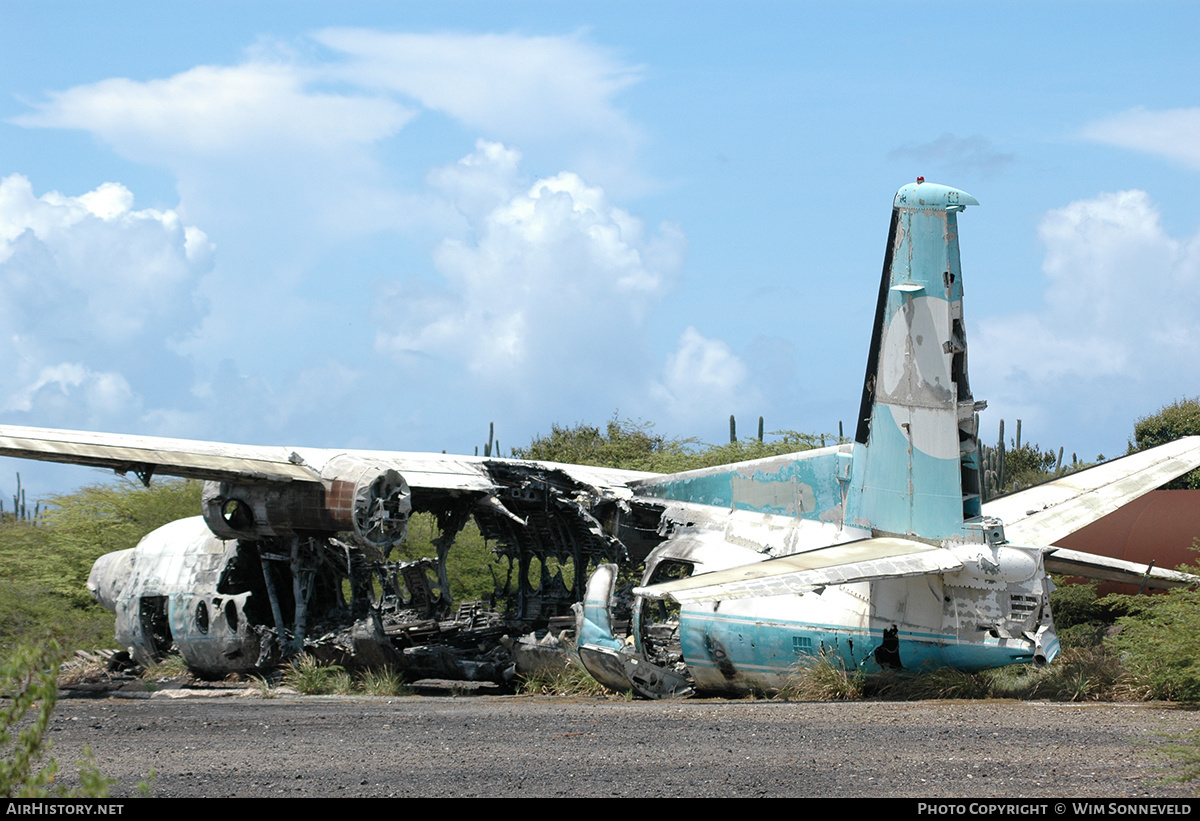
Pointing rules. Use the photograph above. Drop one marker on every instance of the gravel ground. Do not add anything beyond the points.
(239, 745)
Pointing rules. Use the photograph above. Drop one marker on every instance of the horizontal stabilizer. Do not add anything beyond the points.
(1102, 568)
(866, 560)
(1043, 514)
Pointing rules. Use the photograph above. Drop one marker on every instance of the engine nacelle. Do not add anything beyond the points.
(362, 496)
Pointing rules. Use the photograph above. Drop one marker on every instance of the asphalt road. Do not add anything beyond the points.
(533, 746)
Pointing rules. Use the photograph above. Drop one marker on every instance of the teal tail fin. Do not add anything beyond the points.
(916, 450)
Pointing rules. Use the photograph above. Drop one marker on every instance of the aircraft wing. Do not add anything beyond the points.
(865, 560)
(153, 455)
(252, 464)
(1041, 515)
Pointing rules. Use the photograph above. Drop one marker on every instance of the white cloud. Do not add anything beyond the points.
(1117, 334)
(540, 288)
(70, 390)
(276, 109)
(505, 85)
(254, 108)
(553, 285)
(94, 293)
(703, 380)
(1174, 133)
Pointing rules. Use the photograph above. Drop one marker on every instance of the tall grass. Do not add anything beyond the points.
(1079, 674)
(822, 677)
(571, 680)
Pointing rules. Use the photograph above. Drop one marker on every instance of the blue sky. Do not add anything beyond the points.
(386, 225)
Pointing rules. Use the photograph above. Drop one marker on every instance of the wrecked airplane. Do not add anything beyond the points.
(879, 551)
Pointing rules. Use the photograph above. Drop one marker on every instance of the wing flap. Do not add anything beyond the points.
(1043, 514)
(865, 560)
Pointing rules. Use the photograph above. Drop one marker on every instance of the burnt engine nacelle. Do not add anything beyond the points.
(364, 497)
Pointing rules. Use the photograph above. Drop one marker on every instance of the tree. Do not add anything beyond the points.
(623, 444)
(1180, 418)
(633, 445)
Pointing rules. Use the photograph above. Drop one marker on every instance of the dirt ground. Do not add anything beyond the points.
(233, 743)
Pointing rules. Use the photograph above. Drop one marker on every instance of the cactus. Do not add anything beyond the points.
(1000, 464)
(760, 430)
(732, 429)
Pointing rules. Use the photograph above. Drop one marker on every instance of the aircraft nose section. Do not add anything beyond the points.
(930, 196)
(108, 577)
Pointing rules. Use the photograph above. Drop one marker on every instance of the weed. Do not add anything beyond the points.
(312, 678)
(1159, 644)
(85, 668)
(1183, 756)
(572, 680)
(1078, 674)
(263, 687)
(341, 683)
(172, 666)
(383, 683)
(146, 784)
(822, 677)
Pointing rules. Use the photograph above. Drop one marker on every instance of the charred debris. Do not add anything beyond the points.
(344, 601)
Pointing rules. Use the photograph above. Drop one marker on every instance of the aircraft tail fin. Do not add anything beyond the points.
(916, 454)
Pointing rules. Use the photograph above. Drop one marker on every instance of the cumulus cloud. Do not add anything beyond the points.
(95, 292)
(537, 290)
(553, 283)
(280, 158)
(1174, 133)
(1116, 335)
(703, 379)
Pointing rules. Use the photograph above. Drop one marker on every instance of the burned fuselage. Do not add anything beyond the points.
(264, 574)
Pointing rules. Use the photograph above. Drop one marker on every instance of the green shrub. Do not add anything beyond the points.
(1159, 645)
(1180, 418)
(27, 681)
(44, 564)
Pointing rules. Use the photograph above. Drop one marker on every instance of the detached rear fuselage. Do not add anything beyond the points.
(878, 552)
